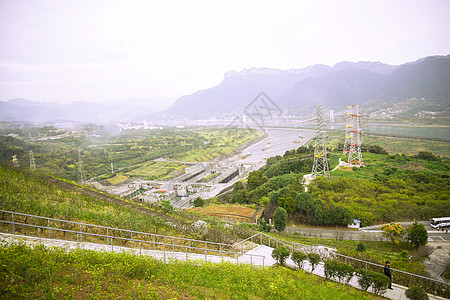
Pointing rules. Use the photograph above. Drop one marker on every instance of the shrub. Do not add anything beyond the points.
(361, 247)
(280, 254)
(330, 269)
(367, 278)
(404, 255)
(280, 218)
(416, 293)
(314, 260)
(298, 258)
(199, 202)
(339, 270)
(364, 278)
(380, 283)
(263, 226)
(345, 272)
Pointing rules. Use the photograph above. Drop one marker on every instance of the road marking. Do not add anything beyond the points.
(436, 237)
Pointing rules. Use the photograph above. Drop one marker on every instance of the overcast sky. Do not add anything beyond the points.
(97, 50)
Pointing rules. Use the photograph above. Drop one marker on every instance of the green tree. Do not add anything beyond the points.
(199, 202)
(417, 235)
(280, 219)
(255, 179)
(314, 260)
(280, 254)
(298, 258)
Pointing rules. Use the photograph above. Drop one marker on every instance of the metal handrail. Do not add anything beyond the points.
(112, 237)
(392, 269)
(113, 228)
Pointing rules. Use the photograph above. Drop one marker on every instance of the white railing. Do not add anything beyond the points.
(138, 240)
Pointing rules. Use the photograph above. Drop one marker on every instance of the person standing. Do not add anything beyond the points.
(387, 272)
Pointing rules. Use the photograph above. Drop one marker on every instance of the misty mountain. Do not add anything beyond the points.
(423, 85)
(78, 111)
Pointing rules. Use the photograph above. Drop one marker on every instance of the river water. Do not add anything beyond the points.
(394, 129)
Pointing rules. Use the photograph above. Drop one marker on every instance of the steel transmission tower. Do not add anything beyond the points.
(348, 127)
(354, 153)
(320, 165)
(80, 167)
(32, 162)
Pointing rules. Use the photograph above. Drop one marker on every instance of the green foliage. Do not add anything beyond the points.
(280, 254)
(361, 247)
(263, 226)
(131, 151)
(426, 156)
(239, 194)
(368, 278)
(417, 235)
(255, 179)
(35, 272)
(380, 283)
(404, 255)
(298, 258)
(199, 202)
(364, 278)
(338, 270)
(416, 293)
(376, 149)
(166, 206)
(280, 218)
(390, 188)
(314, 260)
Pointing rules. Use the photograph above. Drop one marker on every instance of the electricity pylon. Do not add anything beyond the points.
(354, 154)
(348, 127)
(320, 165)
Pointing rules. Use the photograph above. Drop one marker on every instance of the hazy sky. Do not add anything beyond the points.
(96, 50)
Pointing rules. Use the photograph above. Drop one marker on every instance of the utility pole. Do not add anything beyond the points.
(32, 162)
(320, 165)
(354, 154)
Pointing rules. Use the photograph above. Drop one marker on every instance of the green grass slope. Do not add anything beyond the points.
(42, 273)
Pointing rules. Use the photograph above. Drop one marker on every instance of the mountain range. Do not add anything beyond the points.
(375, 86)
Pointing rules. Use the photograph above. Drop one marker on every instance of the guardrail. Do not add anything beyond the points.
(137, 240)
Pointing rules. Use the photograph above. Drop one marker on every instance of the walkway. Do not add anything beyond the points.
(398, 291)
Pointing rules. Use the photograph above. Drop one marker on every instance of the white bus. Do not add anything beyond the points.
(440, 222)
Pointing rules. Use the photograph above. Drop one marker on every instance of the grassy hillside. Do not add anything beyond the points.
(35, 193)
(37, 272)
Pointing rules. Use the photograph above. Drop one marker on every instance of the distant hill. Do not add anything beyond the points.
(377, 87)
(78, 111)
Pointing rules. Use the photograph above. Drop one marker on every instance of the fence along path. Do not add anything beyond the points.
(255, 250)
